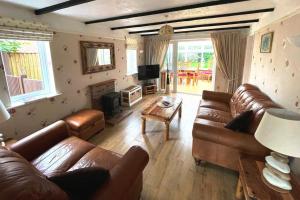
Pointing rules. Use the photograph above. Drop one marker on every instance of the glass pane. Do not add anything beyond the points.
(131, 61)
(22, 65)
(195, 55)
(103, 57)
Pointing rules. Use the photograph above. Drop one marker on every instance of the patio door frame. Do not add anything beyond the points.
(175, 66)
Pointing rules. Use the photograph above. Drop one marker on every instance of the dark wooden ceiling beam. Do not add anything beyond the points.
(200, 25)
(205, 30)
(196, 18)
(60, 6)
(166, 10)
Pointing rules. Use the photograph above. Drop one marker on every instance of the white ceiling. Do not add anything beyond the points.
(103, 9)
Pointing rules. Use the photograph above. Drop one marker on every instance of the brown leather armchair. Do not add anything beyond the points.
(213, 142)
(52, 152)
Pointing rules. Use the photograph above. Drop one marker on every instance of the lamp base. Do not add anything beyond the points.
(276, 173)
(275, 183)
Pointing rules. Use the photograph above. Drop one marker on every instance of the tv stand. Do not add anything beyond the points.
(149, 88)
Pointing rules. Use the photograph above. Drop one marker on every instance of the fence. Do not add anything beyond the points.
(18, 64)
(20, 85)
(23, 72)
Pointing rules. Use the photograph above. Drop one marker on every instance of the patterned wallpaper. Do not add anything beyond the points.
(70, 82)
(277, 73)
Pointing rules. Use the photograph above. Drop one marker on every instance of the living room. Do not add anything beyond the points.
(149, 99)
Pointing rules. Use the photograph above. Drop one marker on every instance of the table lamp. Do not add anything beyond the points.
(279, 130)
(4, 115)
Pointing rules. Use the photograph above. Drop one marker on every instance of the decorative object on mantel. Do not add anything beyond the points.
(97, 56)
(295, 40)
(266, 42)
(279, 131)
(4, 116)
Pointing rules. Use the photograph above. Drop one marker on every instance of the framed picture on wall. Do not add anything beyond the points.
(266, 42)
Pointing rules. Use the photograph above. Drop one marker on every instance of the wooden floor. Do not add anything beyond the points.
(171, 172)
(194, 89)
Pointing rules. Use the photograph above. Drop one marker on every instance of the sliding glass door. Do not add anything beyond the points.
(191, 66)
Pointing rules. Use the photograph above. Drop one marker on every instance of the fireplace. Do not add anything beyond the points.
(111, 104)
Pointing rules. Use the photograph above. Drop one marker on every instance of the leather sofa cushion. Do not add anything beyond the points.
(20, 180)
(215, 132)
(97, 157)
(214, 115)
(83, 119)
(62, 156)
(81, 183)
(215, 105)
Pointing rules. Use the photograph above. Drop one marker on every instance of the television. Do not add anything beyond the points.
(146, 72)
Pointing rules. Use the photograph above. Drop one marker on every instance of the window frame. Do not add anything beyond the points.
(48, 82)
(136, 61)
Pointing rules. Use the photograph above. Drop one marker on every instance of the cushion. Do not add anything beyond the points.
(241, 122)
(20, 180)
(61, 157)
(214, 115)
(97, 157)
(215, 105)
(81, 183)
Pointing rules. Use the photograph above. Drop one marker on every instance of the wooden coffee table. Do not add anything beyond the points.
(166, 115)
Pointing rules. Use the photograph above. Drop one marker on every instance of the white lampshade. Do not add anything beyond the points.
(279, 130)
(4, 115)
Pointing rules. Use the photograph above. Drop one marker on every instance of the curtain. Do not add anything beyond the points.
(24, 30)
(92, 57)
(155, 50)
(229, 48)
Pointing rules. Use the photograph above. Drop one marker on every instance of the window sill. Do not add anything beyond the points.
(37, 99)
(130, 74)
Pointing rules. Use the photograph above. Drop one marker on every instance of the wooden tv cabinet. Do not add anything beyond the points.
(149, 89)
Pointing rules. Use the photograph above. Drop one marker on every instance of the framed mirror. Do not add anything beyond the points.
(97, 56)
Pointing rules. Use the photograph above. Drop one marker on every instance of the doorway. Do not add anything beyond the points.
(191, 66)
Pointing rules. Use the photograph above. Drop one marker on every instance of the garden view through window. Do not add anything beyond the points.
(195, 62)
(28, 68)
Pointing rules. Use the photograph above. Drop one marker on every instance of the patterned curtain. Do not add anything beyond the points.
(24, 30)
(229, 48)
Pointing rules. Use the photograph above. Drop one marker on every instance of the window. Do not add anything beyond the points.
(195, 55)
(28, 69)
(131, 61)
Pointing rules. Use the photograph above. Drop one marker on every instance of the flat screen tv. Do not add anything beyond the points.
(146, 72)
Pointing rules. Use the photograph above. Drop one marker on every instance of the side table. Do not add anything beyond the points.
(251, 185)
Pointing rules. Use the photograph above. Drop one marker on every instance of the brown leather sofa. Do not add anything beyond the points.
(52, 151)
(213, 142)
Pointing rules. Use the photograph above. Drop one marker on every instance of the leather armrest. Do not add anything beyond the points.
(216, 96)
(37, 143)
(124, 174)
(205, 130)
